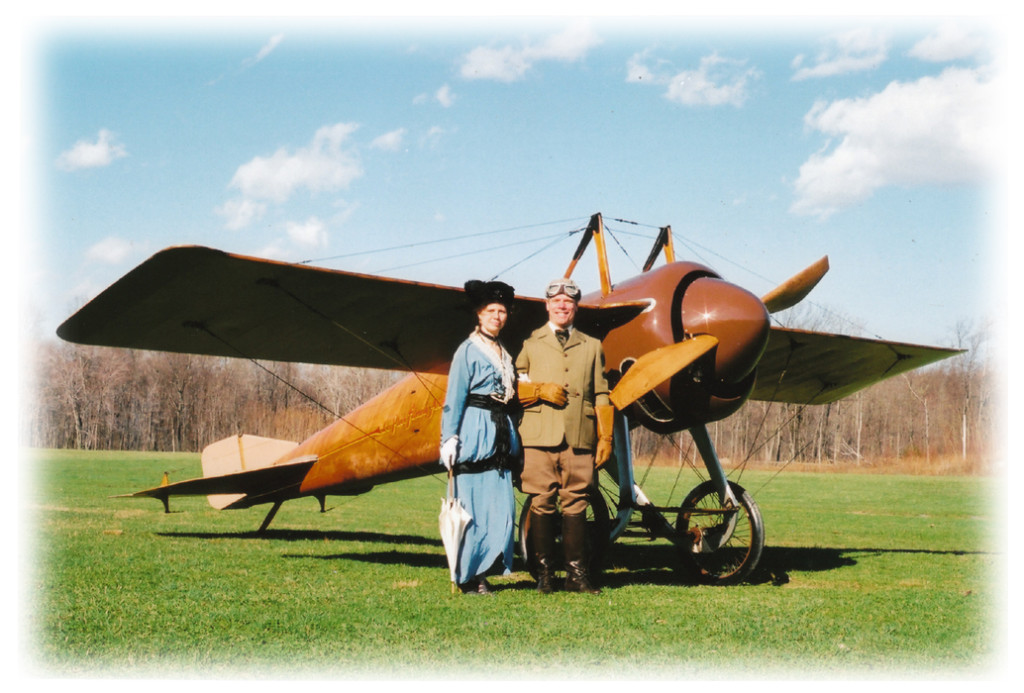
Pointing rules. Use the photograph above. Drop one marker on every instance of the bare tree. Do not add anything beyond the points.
(103, 398)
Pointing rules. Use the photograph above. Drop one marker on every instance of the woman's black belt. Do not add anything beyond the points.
(502, 457)
(487, 402)
(487, 465)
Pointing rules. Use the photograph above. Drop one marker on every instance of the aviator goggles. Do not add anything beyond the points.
(563, 286)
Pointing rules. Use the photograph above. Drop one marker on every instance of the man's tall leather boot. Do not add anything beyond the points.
(542, 542)
(574, 544)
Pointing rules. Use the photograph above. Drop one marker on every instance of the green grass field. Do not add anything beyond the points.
(889, 576)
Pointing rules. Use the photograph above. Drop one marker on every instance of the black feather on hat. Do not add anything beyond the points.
(482, 294)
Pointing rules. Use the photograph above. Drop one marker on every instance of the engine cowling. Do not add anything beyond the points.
(688, 299)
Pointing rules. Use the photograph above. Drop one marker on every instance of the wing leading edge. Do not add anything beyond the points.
(803, 367)
(197, 300)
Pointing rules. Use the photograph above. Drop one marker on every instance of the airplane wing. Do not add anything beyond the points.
(802, 367)
(197, 300)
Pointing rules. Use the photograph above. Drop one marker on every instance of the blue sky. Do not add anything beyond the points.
(764, 145)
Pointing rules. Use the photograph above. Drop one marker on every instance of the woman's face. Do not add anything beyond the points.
(492, 318)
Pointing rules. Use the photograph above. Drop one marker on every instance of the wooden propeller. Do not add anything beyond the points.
(795, 289)
(655, 367)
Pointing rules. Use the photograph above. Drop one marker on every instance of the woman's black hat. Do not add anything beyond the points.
(480, 294)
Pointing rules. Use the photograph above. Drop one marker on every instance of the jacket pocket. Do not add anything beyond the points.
(531, 426)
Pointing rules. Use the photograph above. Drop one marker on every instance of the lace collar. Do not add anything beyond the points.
(502, 363)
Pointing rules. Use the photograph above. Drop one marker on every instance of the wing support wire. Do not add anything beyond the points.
(312, 399)
(824, 385)
(793, 346)
(203, 328)
(396, 357)
(399, 360)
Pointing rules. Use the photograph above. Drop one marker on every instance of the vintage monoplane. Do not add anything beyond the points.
(683, 348)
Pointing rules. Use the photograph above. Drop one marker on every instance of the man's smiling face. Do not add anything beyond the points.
(561, 310)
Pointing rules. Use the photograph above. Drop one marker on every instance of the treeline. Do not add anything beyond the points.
(100, 398)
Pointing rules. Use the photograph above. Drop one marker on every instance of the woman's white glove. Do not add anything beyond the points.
(450, 452)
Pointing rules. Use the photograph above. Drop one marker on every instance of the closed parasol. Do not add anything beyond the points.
(452, 522)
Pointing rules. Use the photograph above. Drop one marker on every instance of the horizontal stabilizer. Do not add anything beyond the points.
(251, 487)
(239, 454)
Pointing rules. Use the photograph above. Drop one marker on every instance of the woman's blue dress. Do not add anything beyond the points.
(487, 495)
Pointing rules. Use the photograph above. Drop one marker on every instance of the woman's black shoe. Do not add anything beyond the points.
(475, 586)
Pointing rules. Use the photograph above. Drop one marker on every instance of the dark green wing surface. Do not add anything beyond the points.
(197, 300)
(804, 367)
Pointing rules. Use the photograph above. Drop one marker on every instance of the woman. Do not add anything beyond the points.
(480, 443)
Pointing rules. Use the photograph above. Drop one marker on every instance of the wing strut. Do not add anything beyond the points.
(664, 240)
(595, 229)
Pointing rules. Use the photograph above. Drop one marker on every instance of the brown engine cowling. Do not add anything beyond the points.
(688, 299)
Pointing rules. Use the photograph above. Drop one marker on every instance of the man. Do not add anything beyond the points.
(566, 432)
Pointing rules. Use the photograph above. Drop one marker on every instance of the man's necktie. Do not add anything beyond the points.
(563, 336)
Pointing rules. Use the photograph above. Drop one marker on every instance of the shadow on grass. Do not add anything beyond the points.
(624, 564)
(660, 563)
(312, 535)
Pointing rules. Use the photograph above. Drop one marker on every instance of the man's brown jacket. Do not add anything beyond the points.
(579, 367)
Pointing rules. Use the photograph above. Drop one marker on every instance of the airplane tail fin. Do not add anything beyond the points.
(239, 454)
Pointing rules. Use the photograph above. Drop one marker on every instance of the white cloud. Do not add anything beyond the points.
(949, 42)
(110, 251)
(637, 70)
(853, 51)
(504, 64)
(241, 212)
(433, 136)
(326, 164)
(344, 211)
(310, 233)
(329, 163)
(274, 250)
(444, 96)
(510, 63)
(571, 45)
(934, 131)
(264, 51)
(85, 154)
(717, 81)
(389, 141)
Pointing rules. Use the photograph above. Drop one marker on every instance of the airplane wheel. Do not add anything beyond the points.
(720, 546)
(598, 530)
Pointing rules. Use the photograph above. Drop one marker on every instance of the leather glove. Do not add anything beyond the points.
(450, 452)
(605, 426)
(531, 393)
(554, 393)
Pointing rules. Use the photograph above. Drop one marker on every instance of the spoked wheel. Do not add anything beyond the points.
(721, 545)
(598, 531)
